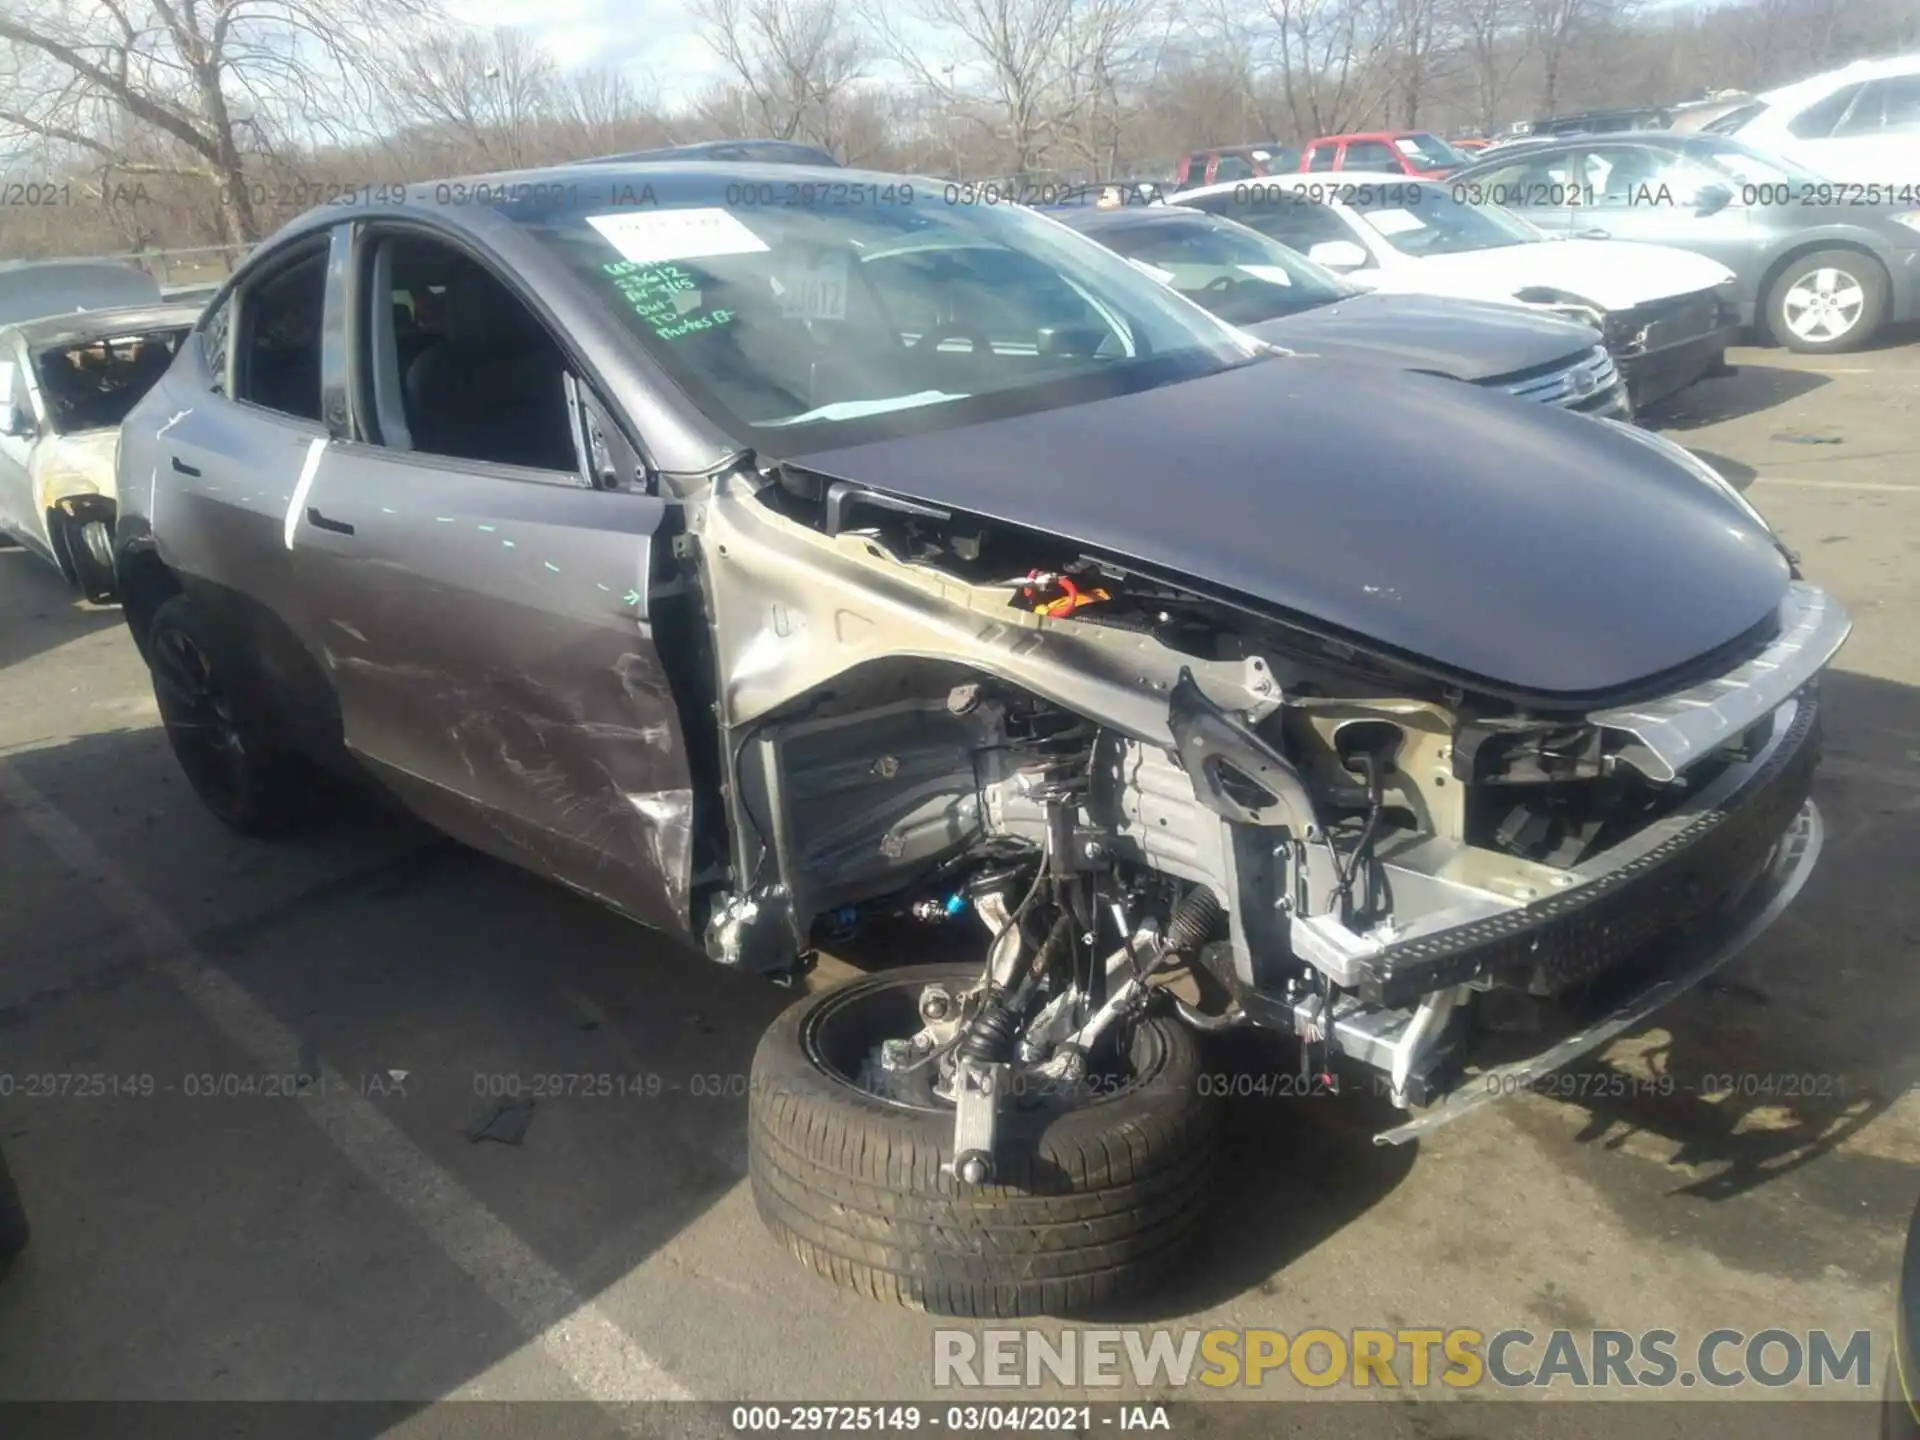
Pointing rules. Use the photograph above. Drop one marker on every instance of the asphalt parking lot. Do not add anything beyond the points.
(356, 1244)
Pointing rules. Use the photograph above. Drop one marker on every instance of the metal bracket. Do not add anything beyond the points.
(976, 1103)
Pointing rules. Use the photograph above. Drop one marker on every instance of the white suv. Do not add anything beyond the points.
(1859, 124)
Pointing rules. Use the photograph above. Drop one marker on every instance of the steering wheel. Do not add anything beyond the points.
(1221, 283)
(930, 343)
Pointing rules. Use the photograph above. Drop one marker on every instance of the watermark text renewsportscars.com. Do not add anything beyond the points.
(1404, 1358)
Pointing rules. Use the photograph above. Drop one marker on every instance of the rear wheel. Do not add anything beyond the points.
(1827, 302)
(215, 729)
(1098, 1189)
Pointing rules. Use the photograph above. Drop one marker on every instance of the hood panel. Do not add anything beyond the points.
(1467, 339)
(1614, 274)
(1498, 539)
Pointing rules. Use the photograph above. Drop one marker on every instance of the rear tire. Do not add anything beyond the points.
(214, 723)
(1095, 1197)
(1828, 302)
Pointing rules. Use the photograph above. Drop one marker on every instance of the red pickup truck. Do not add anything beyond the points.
(1405, 152)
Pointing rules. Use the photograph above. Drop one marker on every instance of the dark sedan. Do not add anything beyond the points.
(1821, 266)
(1285, 299)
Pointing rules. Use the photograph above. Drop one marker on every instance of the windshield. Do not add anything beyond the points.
(1439, 224)
(1750, 164)
(788, 318)
(1429, 152)
(94, 386)
(1237, 273)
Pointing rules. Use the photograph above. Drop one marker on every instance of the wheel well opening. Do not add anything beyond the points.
(145, 585)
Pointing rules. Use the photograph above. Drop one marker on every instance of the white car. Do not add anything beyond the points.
(66, 383)
(1859, 125)
(1667, 314)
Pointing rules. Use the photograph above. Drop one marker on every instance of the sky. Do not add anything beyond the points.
(656, 39)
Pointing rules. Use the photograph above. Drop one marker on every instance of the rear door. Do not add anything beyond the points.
(1658, 197)
(483, 610)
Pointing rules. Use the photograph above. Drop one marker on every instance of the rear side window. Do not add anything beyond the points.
(1234, 167)
(1816, 122)
(214, 335)
(281, 321)
(1370, 155)
(1321, 157)
(1900, 104)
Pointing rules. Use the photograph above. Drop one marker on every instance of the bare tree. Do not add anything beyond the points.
(1552, 27)
(794, 60)
(219, 78)
(1111, 54)
(1015, 46)
(486, 92)
(1327, 58)
(1493, 47)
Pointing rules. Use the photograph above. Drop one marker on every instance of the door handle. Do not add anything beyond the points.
(181, 467)
(1596, 233)
(321, 522)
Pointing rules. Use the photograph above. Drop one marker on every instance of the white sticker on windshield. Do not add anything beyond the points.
(648, 237)
(1406, 146)
(1272, 274)
(1165, 277)
(816, 290)
(1394, 222)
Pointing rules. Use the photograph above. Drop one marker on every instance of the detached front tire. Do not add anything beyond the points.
(1096, 1194)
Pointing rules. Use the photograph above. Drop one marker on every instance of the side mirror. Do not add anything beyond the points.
(1338, 254)
(1711, 199)
(17, 423)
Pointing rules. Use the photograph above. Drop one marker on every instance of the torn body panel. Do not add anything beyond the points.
(491, 647)
(1384, 852)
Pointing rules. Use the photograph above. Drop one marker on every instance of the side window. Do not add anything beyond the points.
(280, 325)
(1622, 175)
(1900, 105)
(1370, 155)
(1233, 167)
(1816, 122)
(1863, 116)
(214, 336)
(457, 364)
(1321, 157)
(1534, 183)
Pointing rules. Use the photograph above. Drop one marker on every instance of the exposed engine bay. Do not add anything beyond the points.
(1146, 796)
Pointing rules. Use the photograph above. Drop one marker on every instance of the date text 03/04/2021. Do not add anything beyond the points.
(952, 1419)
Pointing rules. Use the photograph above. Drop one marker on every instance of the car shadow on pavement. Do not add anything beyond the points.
(1749, 390)
(200, 1237)
(43, 612)
(1792, 1054)
(1297, 1166)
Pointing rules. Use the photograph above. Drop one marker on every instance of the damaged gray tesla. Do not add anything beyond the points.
(761, 551)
